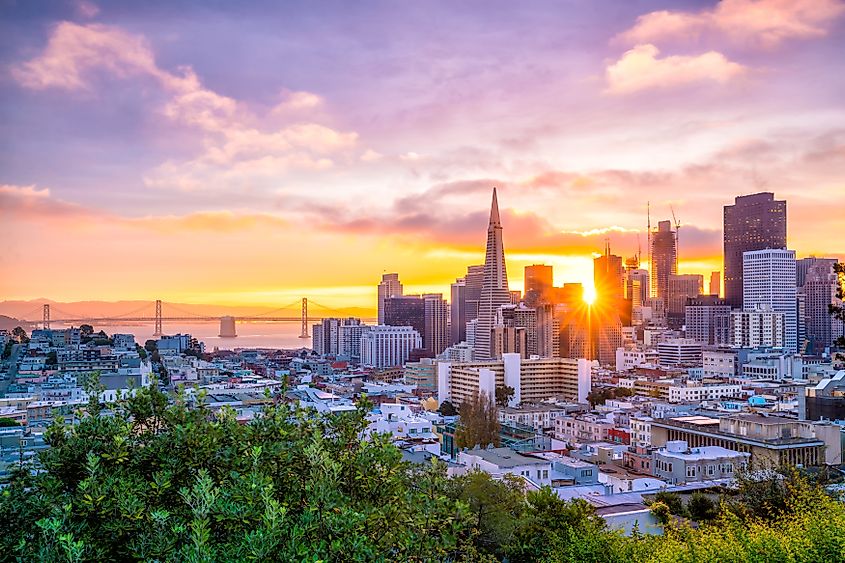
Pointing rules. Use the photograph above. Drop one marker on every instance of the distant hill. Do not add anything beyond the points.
(9, 323)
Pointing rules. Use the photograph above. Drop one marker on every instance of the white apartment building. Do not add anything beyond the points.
(678, 464)
(768, 279)
(758, 327)
(720, 363)
(629, 358)
(641, 431)
(533, 380)
(698, 392)
(349, 340)
(499, 462)
(679, 352)
(388, 346)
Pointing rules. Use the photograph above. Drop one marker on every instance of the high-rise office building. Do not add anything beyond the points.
(457, 311)
(436, 336)
(753, 222)
(390, 286)
(636, 287)
(803, 265)
(608, 275)
(715, 283)
(466, 293)
(708, 319)
(494, 291)
(407, 310)
(819, 292)
(681, 288)
(349, 338)
(768, 280)
(538, 284)
(664, 257)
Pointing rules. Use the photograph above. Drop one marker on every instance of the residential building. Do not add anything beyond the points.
(436, 312)
(753, 222)
(678, 464)
(758, 327)
(533, 380)
(499, 462)
(825, 400)
(697, 392)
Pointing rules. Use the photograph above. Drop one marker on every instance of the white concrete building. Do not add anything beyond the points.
(629, 358)
(679, 352)
(679, 464)
(388, 346)
(768, 279)
(533, 380)
(499, 462)
(758, 327)
(698, 392)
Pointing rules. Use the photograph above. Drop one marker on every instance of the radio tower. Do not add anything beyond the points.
(304, 332)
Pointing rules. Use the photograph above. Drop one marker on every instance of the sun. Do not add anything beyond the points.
(589, 295)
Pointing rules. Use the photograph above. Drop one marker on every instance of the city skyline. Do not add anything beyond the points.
(223, 175)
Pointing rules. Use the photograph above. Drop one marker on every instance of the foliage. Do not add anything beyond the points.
(673, 501)
(8, 422)
(479, 422)
(662, 511)
(52, 358)
(151, 345)
(156, 481)
(7, 350)
(837, 310)
(601, 395)
(86, 330)
(701, 507)
(503, 395)
(142, 352)
(20, 335)
(447, 409)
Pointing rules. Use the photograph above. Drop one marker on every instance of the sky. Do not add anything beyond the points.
(256, 152)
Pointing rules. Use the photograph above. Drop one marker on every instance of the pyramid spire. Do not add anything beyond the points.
(494, 290)
(494, 211)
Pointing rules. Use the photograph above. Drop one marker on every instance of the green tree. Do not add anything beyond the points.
(479, 422)
(20, 335)
(7, 350)
(86, 330)
(701, 507)
(154, 479)
(151, 345)
(447, 409)
(662, 511)
(52, 358)
(503, 395)
(673, 501)
(8, 422)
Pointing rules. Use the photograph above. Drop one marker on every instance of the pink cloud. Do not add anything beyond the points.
(641, 69)
(764, 23)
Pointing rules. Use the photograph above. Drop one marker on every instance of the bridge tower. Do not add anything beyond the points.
(304, 333)
(158, 331)
(46, 317)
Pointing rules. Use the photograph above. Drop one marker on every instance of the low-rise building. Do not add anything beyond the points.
(499, 462)
(677, 463)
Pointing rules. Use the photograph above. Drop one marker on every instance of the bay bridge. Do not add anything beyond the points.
(154, 312)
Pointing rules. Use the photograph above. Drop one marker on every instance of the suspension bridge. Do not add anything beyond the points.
(154, 312)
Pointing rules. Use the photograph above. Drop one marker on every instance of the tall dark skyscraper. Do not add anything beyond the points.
(466, 292)
(494, 290)
(753, 222)
(407, 310)
(538, 284)
(664, 255)
(608, 276)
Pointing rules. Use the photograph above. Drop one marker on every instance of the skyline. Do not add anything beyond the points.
(224, 175)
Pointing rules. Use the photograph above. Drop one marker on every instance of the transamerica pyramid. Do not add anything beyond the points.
(494, 291)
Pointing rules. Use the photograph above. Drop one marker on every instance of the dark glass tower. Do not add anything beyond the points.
(753, 222)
